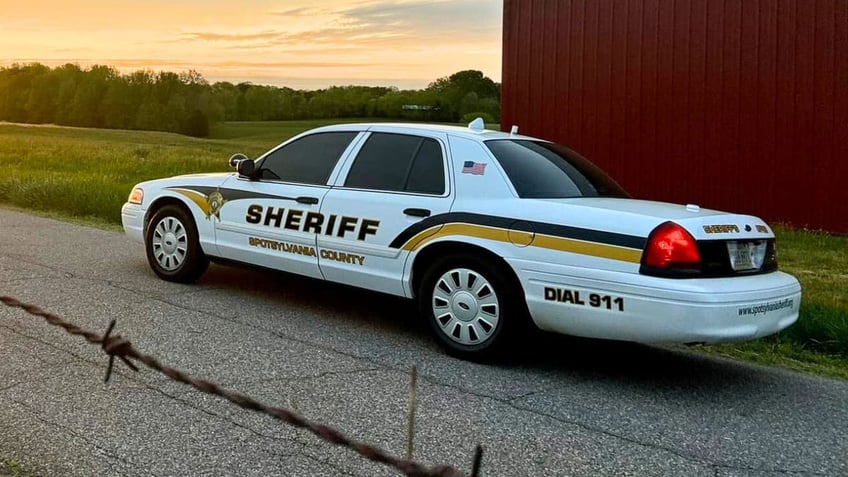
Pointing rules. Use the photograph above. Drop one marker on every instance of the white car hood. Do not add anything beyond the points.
(210, 179)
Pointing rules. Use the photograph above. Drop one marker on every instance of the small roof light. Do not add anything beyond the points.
(514, 129)
(477, 125)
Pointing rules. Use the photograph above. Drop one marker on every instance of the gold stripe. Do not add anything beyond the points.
(416, 240)
(550, 242)
(614, 252)
(196, 197)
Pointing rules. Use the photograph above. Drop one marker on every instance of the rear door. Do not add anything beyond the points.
(273, 221)
(395, 181)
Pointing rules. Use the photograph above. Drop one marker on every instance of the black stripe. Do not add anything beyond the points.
(232, 194)
(564, 231)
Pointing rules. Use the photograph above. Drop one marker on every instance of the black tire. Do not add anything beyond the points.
(176, 257)
(511, 308)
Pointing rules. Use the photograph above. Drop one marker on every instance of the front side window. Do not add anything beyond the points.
(308, 160)
(542, 170)
(399, 162)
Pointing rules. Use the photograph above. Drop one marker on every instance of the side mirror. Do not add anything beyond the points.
(246, 168)
(235, 159)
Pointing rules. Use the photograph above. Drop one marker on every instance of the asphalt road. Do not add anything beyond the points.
(341, 356)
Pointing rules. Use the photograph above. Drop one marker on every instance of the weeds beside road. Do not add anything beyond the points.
(87, 174)
(11, 468)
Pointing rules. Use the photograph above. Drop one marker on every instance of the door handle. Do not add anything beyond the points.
(417, 212)
(307, 200)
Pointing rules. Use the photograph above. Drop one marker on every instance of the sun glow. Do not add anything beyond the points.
(297, 43)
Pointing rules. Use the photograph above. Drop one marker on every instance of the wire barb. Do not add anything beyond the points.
(116, 346)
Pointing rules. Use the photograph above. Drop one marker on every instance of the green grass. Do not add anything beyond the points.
(820, 261)
(87, 174)
(11, 468)
(776, 351)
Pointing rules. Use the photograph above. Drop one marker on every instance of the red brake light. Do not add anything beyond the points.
(670, 246)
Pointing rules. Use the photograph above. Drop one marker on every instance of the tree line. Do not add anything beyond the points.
(185, 103)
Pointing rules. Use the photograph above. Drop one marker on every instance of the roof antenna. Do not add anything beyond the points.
(514, 129)
(477, 125)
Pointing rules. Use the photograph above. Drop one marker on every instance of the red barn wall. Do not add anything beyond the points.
(739, 105)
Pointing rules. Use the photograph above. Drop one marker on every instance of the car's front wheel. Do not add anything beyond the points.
(172, 246)
(469, 305)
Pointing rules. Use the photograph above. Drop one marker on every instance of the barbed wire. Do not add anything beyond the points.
(117, 347)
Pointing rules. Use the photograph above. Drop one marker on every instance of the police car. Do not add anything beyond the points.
(488, 231)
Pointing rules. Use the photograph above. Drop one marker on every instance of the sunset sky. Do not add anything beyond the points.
(298, 43)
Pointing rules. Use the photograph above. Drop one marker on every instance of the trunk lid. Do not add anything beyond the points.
(703, 224)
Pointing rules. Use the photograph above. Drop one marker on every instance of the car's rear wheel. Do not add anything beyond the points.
(469, 305)
(172, 246)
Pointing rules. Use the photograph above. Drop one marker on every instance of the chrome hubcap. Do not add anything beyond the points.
(465, 306)
(170, 243)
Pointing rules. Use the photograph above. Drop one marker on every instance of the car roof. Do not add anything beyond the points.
(466, 132)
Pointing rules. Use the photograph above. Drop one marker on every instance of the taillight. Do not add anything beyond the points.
(671, 250)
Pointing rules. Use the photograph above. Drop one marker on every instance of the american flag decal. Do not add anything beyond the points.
(476, 168)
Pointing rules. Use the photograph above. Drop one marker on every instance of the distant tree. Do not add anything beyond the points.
(186, 103)
(40, 105)
(454, 91)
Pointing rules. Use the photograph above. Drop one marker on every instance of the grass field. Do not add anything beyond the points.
(87, 174)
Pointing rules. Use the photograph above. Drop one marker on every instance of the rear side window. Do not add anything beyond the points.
(308, 160)
(400, 163)
(544, 170)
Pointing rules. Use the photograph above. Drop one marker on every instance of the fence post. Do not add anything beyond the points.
(410, 429)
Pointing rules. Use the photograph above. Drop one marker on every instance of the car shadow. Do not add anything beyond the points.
(567, 357)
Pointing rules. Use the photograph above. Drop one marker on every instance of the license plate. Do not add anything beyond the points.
(746, 255)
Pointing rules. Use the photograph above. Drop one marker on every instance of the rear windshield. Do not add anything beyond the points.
(543, 170)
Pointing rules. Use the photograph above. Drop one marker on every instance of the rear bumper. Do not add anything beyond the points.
(132, 218)
(656, 310)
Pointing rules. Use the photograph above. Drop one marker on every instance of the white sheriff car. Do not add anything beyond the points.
(484, 229)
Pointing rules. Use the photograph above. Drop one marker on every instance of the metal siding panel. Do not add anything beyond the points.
(714, 102)
(525, 72)
(823, 94)
(648, 59)
(589, 122)
(509, 83)
(785, 95)
(619, 152)
(699, 149)
(683, 75)
(837, 203)
(604, 79)
(575, 73)
(633, 92)
(736, 105)
(665, 129)
(552, 41)
(804, 103)
(560, 127)
(536, 74)
(728, 179)
(766, 94)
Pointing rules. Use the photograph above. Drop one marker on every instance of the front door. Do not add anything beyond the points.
(272, 220)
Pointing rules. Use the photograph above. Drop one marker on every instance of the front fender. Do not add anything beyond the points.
(204, 222)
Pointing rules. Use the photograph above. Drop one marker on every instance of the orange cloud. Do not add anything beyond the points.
(408, 40)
